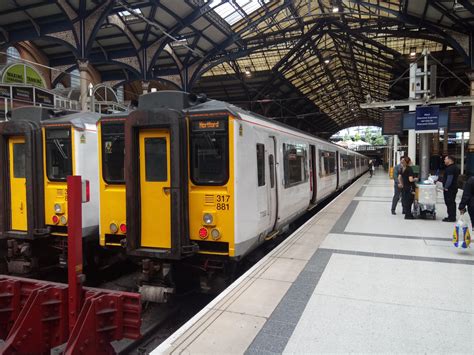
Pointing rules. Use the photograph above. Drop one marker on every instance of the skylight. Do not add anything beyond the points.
(235, 10)
(128, 16)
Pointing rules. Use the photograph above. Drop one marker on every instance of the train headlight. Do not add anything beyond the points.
(59, 208)
(63, 220)
(113, 228)
(215, 234)
(207, 218)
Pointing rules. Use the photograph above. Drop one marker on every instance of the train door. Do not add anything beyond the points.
(264, 198)
(155, 182)
(17, 174)
(313, 173)
(272, 192)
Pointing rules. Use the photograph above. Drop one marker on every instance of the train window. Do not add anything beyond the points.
(294, 156)
(346, 162)
(58, 154)
(19, 160)
(261, 164)
(271, 164)
(327, 163)
(156, 160)
(209, 150)
(113, 146)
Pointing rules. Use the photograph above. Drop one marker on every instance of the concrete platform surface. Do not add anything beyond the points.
(354, 278)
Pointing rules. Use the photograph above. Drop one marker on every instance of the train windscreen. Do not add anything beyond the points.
(209, 151)
(58, 153)
(113, 146)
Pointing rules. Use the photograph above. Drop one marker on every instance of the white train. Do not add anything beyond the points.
(210, 180)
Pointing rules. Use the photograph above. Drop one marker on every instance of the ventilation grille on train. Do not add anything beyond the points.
(208, 199)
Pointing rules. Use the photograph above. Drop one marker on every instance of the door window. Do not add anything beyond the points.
(271, 163)
(155, 159)
(19, 160)
(261, 164)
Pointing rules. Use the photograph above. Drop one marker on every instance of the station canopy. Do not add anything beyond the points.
(306, 63)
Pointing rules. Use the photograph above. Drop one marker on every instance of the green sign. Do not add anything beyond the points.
(22, 74)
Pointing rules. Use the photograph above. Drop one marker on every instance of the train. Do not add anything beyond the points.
(42, 147)
(204, 183)
(182, 186)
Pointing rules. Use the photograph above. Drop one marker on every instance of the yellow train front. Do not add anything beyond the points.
(42, 148)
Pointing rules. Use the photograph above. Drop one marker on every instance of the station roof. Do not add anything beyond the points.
(309, 63)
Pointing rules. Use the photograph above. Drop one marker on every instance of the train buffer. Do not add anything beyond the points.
(43, 317)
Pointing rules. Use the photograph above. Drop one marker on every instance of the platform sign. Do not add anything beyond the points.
(392, 122)
(427, 119)
(23, 94)
(459, 118)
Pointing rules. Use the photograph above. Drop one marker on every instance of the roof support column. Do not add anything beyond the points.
(83, 66)
(145, 85)
(470, 147)
(412, 107)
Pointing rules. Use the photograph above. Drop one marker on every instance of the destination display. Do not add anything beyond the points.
(427, 119)
(208, 125)
(392, 122)
(459, 118)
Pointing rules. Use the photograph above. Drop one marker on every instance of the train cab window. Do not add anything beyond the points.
(209, 151)
(294, 156)
(19, 160)
(113, 146)
(58, 154)
(156, 161)
(261, 164)
(271, 163)
(327, 163)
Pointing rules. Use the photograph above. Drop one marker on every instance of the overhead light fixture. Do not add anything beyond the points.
(335, 10)
(247, 71)
(457, 6)
(326, 61)
(412, 52)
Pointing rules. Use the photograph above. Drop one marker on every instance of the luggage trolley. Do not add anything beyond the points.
(425, 201)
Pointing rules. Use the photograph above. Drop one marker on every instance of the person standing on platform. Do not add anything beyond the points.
(450, 187)
(371, 167)
(396, 189)
(407, 183)
(467, 199)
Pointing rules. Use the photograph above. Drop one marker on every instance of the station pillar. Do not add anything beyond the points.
(83, 67)
(412, 107)
(470, 148)
(145, 85)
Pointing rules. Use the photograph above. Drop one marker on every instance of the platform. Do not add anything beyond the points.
(352, 279)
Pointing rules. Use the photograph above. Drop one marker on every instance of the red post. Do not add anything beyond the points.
(74, 250)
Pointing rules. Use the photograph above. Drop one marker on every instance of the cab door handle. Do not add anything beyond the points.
(167, 190)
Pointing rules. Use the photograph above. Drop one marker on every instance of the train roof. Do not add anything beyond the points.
(219, 106)
(77, 120)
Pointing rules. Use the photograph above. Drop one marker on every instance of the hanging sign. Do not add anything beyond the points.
(22, 74)
(392, 122)
(459, 118)
(427, 119)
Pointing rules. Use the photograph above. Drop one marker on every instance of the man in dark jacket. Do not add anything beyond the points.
(396, 190)
(450, 187)
(467, 199)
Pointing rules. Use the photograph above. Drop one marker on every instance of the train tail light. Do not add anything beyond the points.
(203, 233)
(123, 228)
(55, 219)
